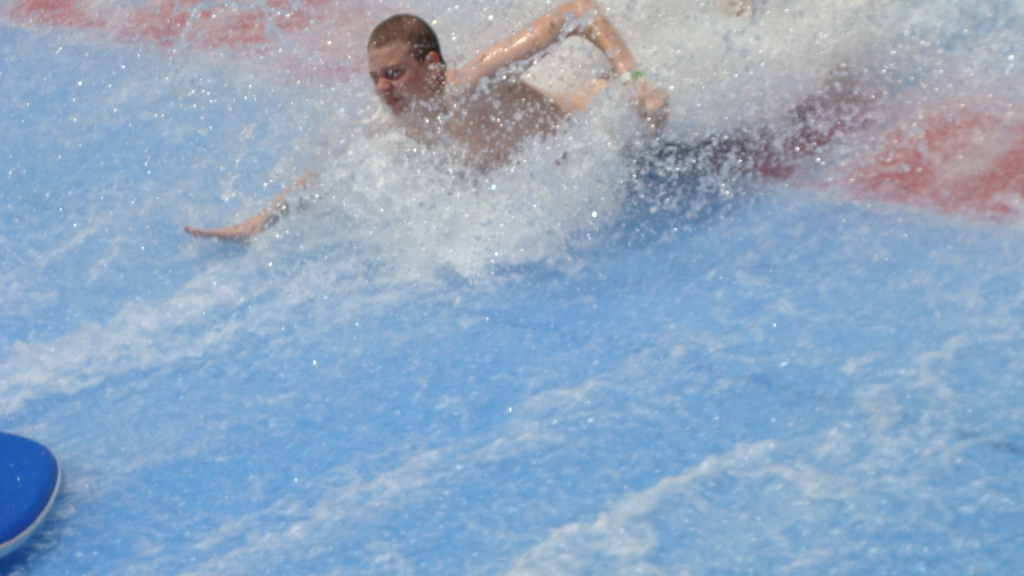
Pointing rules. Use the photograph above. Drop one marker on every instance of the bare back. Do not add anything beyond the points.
(493, 121)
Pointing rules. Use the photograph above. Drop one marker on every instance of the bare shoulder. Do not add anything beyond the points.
(511, 97)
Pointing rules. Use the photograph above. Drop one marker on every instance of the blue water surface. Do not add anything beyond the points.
(797, 383)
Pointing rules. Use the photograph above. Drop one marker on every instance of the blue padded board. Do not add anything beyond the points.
(29, 480)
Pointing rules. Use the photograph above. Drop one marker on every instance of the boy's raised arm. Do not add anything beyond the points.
(573, 18)
(586, 20)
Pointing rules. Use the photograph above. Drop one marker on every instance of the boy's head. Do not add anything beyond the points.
(405, 61)
(408, 29)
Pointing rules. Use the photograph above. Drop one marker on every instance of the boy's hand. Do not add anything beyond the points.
(253, 226)
(652, 103)
(236, 232)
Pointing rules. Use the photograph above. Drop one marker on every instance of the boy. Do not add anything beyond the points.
(488, 120)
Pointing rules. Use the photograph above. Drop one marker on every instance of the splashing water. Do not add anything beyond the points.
(782, 339)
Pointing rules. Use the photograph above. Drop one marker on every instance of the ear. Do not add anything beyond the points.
(433, 58)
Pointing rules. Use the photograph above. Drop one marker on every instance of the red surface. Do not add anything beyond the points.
(964, 157)
(293, 34)
(55, 12)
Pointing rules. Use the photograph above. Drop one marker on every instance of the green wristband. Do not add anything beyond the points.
(627, 77)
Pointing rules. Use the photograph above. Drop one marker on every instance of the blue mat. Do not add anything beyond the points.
(29, 482)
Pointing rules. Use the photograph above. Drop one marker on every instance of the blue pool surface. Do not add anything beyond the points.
(796, 382)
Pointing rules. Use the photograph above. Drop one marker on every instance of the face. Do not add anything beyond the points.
(399, 80)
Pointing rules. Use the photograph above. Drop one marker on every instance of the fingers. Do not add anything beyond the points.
(652, 104)
(235, 233)
(198, 232)
(218, 233)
